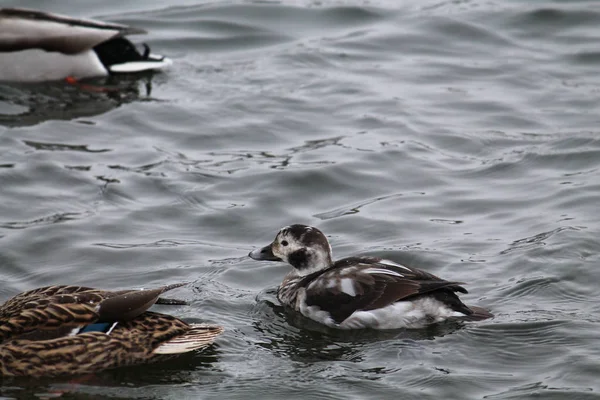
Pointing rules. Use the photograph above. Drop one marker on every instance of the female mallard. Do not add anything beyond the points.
(58, 330)
(39, 46)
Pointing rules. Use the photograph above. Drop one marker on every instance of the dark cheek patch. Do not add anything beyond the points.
(299, 259)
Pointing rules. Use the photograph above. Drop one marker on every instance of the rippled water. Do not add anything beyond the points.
(456, 136)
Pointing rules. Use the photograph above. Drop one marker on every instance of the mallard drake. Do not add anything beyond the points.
(59, 330)
(360, 292)
(40, 46)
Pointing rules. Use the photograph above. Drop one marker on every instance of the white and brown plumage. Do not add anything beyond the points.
(59, 330)
(40, 46)
(360, 292)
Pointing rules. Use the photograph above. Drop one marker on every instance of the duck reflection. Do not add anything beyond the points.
(110, 383)
(26, 104)
(176, 370)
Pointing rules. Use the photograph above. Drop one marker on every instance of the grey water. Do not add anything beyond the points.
(461, 137)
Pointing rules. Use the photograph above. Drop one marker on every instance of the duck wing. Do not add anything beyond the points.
(23, 29)
(366, 283)
(63, 308)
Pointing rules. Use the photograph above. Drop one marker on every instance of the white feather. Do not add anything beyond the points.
(74, 331)
(36, 65)
(111, 328)
(382, 271)
(348, 286)
(138, 66)
(394, 264)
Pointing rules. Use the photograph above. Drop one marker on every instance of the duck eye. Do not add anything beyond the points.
(284, 243)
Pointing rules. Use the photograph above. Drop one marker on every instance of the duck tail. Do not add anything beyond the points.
(172, 302)
(169, 301)
(119, 55)
(478, 314)
(199, 336)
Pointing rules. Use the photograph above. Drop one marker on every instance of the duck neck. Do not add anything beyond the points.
(307, 261)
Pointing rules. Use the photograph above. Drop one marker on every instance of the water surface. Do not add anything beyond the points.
(460, 137)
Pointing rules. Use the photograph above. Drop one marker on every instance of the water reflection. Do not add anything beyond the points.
(173, 371)
(62, 147)
(46, 220)
(535, 240)
(30, 104)
(234, 161)
(354, 208)
(107, 384)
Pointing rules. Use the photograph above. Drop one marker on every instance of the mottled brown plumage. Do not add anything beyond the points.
(39, 331)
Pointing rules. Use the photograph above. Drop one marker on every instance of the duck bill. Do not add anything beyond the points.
(264, 254)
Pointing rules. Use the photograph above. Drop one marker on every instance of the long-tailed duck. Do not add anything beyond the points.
(360, 292)
(39, 46)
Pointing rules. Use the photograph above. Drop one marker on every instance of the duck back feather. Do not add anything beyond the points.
(39, 46)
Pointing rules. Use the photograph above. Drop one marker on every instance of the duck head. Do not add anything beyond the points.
(303, 247)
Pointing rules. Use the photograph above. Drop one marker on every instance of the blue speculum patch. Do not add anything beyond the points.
(98, 327)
